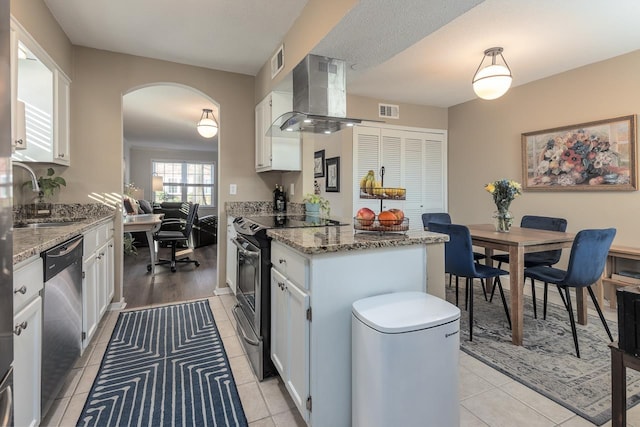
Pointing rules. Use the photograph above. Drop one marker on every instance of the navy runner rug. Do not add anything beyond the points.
(164, 366)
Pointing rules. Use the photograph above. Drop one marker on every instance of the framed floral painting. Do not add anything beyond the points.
(599, 155)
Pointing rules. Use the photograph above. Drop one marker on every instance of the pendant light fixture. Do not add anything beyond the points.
(492, 81)
(207, 126)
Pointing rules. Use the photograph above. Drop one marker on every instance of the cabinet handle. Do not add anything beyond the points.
(18, 329)
(282, 261)
(61, 155)
(21, 290)
(111, 245)
(19, 141)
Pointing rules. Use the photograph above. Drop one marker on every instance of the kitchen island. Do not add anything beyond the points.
(317, 274)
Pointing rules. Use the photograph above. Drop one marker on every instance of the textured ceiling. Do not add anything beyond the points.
(415, 51)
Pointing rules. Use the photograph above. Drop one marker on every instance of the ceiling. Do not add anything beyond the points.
(425, 52)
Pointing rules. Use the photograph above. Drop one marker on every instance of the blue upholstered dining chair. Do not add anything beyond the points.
(588, 256)
(445, 218)
(458, 260)
(535, 259)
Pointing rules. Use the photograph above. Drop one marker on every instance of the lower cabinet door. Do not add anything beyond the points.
(27, 348)
(278, 322)
(298, 348)
(89, 299)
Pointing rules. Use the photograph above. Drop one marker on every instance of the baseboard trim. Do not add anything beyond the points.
(222, 291)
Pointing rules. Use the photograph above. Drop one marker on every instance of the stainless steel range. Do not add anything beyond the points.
(253, 308)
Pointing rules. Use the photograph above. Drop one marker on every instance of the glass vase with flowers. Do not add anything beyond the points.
(503, 192)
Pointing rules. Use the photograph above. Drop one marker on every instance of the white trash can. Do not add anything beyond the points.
(405, 361)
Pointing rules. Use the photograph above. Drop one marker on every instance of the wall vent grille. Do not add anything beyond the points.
(277, 61)
(389, 111)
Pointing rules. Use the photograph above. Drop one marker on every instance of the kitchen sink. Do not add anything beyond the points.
(45, 224)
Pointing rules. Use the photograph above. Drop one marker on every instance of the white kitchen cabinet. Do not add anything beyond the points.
(275, 152)
(97, 277)
(42, 86)
(61, 113)
(89, 297)
(290, 334)
(313, 356)
(232, 255)
(27, 341)
(413, 159)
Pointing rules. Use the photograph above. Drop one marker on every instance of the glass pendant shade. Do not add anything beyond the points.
(492, 81)
(207, 126)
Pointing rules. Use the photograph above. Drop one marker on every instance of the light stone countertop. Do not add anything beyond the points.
(28, 242)
(318, 240)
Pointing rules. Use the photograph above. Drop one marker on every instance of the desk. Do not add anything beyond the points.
(149, 223)
(518, 242)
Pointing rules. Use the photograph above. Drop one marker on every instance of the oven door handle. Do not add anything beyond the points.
(243, 251)
(244, 336)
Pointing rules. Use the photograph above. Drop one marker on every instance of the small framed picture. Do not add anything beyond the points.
(318, 164)
(333, 175)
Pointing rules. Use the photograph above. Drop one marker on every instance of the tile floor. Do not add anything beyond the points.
(487, 397)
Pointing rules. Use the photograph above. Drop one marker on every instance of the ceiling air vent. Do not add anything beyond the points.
(277, 61)
(389, 111)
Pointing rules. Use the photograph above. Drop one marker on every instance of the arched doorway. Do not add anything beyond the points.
(160, 138)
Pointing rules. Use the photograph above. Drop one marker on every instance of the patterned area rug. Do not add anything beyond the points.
(547, 362)
(164, 366)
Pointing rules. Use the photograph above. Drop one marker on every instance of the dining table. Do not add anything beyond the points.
(149, 223)
(519, 241)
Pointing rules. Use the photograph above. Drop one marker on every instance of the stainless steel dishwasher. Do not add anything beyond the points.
(62, 316)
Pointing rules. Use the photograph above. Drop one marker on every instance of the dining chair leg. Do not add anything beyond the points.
(493, 291)
(466, 294)
(450, 279)
(497, 281)
(573, 322)
(470, 292)
(456, 291)
(533, 296)
(564, 301)
(604, 322)
(484, 291)
(544, 308)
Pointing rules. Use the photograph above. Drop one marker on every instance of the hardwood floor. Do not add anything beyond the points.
(189, 282)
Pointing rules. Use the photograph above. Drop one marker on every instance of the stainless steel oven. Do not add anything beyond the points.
(253, 319)
(253, 291)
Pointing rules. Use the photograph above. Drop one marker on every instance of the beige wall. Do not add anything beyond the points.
(101, 78)
(36, 18)
(315, 21)
(484, 145)
(341, 144)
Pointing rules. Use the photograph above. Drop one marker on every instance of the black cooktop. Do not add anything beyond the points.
(292, 221)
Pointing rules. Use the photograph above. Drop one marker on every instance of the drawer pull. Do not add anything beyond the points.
(21, 290)
(18, 329)
(282, 261)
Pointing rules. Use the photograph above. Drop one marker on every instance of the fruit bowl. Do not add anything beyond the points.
(383, 193)
(384, 226)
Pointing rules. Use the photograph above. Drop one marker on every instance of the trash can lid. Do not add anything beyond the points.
(404, 312)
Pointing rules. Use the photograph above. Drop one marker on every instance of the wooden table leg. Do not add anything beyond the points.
(618, 388)
(516, 277)
(488, 284)
(152, 251)
(581, 305)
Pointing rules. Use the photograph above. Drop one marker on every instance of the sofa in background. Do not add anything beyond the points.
(205, 229)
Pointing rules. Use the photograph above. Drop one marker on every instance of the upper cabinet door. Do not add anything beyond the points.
(44, 90)
(276, 153)
(61, 96)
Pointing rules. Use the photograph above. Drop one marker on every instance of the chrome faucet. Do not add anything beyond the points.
(34, 178)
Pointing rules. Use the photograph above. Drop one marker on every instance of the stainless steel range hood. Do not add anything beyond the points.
(319, 98)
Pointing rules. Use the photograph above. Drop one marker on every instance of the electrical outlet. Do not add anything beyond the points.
(233, 189)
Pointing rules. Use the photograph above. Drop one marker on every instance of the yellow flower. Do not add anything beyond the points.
(490, 188)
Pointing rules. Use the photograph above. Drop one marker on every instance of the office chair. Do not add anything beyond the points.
(172, 238)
